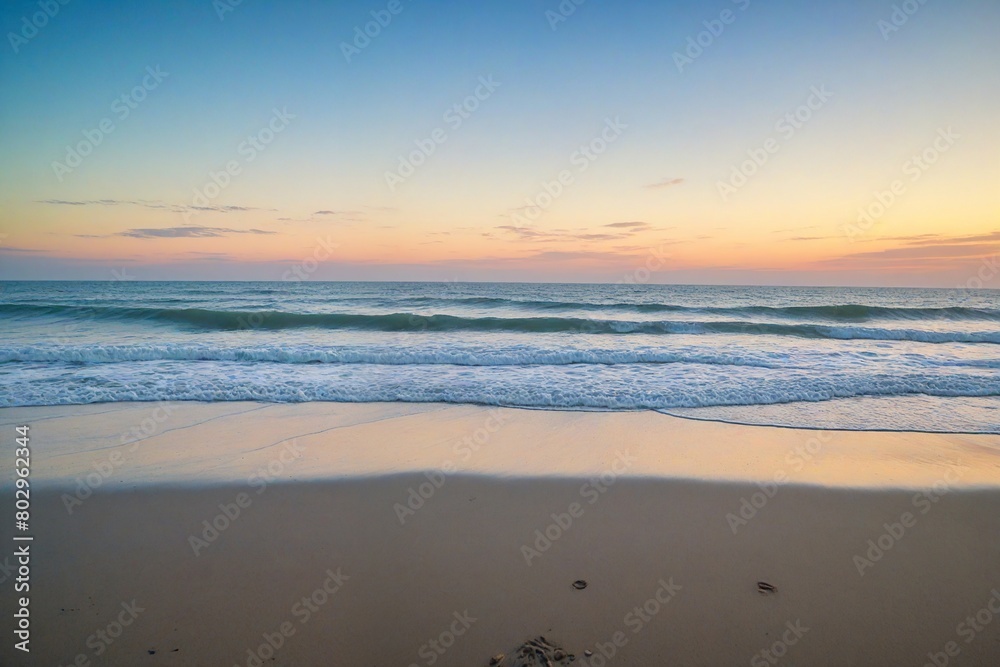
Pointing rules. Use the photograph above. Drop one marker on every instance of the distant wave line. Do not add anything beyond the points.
(852, 313)
(227, 320)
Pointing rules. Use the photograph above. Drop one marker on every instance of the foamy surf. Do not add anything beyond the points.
(800, 357)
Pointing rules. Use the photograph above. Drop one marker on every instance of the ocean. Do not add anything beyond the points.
(826, 358)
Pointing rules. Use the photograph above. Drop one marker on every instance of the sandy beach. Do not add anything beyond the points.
(510, 334)
(430, 534)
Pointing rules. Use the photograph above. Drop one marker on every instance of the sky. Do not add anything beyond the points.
(718, 142)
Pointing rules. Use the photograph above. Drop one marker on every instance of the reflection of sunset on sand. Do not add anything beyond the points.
(627, 519)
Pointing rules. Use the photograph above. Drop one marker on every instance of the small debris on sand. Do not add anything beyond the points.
(536, 653)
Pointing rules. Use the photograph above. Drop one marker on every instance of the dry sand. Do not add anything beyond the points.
(401, 534)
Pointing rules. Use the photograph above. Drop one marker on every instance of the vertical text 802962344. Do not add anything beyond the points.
(22, 550)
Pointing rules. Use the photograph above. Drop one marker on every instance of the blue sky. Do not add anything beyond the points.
(353, 120)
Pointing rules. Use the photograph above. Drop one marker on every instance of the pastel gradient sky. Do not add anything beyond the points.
(663, 184)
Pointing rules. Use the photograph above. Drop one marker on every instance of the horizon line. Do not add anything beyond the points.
(510, 282)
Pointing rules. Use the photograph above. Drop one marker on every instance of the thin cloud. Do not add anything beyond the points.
(912, 239)
(562, 255)
(927, 252)
(154, 205)
(526, 233)
(339, 213)
(194, 256)
(63, 202)
(327, 216)
(934, 239)
(186, 232)
(594, 256)
(795, 229)
(916, 254)
(629, 225)
(665, 183)
(202, 253)
(624, 231)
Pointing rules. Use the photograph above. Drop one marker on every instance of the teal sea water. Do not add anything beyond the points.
(894, 359)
